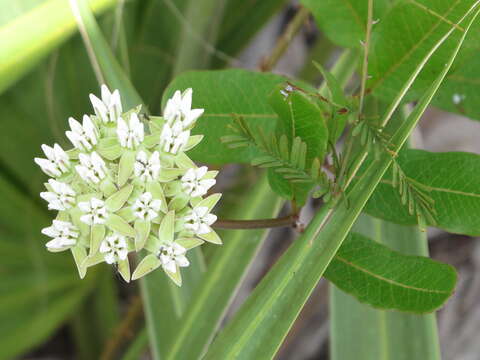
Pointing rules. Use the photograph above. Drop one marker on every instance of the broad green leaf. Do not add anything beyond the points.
(451, 179)
(361, 332)
(459, 92)
(261, 324)
(223, 94)
(387, 279)
(29, 35)
(225, 272)
(300, 116)
(413, 27)
(344, 22)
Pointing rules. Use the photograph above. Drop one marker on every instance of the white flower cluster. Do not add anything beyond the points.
(128, 186)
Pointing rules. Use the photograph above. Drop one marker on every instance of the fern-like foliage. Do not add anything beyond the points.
(413, 194)
(275, 152)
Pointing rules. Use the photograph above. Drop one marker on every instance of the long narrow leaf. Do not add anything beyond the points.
(27, 39)
(225, 273)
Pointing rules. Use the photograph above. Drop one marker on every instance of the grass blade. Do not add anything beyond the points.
(29, 38)
(226, 271)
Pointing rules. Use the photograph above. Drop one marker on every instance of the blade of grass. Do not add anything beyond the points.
(361, 332)
(106, 67)
(29, 38)
(200, 28)
(258, 329)
(225, 274)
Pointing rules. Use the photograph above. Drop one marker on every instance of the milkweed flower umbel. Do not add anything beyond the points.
(128, 186)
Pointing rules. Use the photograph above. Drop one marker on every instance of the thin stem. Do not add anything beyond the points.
(366, 47)
(285, 39)
(290, 220)
(124, 329)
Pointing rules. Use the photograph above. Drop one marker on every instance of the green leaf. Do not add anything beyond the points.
(104, 63)
(365, 333)
(226, 271)
(413, 27)
(142, 229)
(116, 223)
(165, 232)
(125, 167)
(299, 118)
(29, 36)
(451, 179)
(148, 264)
(344, 22)
(39, 290)
(124, 269)
(388, 279)
(97, 234)
(221, 94)
(189, 243)
(117, 200)
(109, 148)
(259, 327)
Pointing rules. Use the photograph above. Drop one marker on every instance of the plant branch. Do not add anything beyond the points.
(124, 329)
(285, 39)
(366, 46)
(290, 220)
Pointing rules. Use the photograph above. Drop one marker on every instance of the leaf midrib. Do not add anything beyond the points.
(390, 281)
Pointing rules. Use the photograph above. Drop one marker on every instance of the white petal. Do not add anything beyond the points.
(170, 266)
(201, 171)
(182, 261)
(84, 206)
(87, 219)
(209, 219)
(109, 258)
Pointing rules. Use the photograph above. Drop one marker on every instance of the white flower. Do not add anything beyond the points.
(199, 220)
(145, 207)
(114, 248)
(95, 211)
(92, 167)
(82, 136)
(174, 138)
(179, 109)
(147, 169)
(172, 255)
(57, 161)
(109, 108)
(131, 134)
(64, 235)
(62, 196)
(193, 183)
